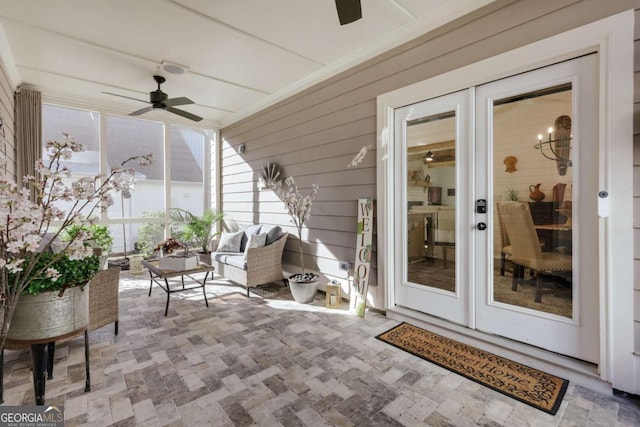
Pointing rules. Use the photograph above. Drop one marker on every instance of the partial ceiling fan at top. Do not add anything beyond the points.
(348, 11)
(160, 100)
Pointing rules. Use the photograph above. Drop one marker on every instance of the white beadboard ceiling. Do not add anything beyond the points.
(242, 55)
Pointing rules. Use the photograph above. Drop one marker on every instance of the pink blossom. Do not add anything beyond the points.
(14, 265)
(297, 206)
(52, 274)
(23, 222)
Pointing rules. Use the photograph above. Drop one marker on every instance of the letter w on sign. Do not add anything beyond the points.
(362, 266)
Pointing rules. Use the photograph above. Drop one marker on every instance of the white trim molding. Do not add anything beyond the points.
(612, 38)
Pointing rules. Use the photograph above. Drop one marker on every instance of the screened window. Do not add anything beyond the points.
(136, 220)
(128, 137)
(187, 148)
(84, 127)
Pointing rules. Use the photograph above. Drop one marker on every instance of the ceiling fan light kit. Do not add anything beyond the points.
(160, 100)
(428, 157)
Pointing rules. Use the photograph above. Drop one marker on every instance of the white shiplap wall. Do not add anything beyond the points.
(314, 135)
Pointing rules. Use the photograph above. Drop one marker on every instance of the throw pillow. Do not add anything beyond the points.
(230, 242)
(255, 241)
(273, 234)
(252, 229)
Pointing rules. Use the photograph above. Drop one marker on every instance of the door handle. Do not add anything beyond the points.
(482, 226)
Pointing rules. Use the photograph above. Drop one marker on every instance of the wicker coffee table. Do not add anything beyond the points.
(161, 278)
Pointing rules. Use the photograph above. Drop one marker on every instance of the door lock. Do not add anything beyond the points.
(482, 226)
(481, 206)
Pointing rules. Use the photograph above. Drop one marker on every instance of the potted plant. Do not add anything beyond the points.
(99, 239)
(511, 194)
(171, 260)
(27, 262)
(196, 229)
(303, 285)
(149, 234)
(38, 312)
(168, 246)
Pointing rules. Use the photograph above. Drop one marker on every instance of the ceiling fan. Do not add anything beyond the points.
(159, 100)
(348, 11)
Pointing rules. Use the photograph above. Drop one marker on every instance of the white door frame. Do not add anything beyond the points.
(612, 38)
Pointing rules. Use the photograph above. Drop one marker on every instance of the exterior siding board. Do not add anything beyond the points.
(296, 134)
(327, 165)
(315, 134)
(7, 111)
(636, 175)
(346, 138)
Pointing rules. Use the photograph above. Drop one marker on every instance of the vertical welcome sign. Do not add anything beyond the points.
(362, 266)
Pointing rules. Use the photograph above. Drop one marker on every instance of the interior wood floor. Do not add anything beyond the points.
(556, 296)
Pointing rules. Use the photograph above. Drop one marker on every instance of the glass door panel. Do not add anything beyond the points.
(540, 181)
(431, 215)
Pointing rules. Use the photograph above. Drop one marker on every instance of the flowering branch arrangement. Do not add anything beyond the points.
(27, 214)
(297, 205)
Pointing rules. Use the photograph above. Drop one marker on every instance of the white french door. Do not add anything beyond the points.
(433, 170)
(457, 159)
(553, 109)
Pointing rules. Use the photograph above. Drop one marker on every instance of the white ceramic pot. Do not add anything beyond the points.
(303, 289)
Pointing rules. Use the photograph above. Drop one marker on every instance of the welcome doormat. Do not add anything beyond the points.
(536, 388)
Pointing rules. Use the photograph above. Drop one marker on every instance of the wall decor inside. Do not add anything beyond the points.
(510, 163)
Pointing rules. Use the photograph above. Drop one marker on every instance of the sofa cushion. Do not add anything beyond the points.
(250, 230)
(255, 241)
(236, 260)
(222, 256)
(230, 242)
(273, 233)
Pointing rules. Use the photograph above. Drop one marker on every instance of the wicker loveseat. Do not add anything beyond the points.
(256, 265)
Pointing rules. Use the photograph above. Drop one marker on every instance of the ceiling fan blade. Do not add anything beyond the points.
(128, 97)
(348, 11)
(144, 110)
(184, 114)
(177, 101)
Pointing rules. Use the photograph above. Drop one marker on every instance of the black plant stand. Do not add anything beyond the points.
(39, 367)
(42, 355)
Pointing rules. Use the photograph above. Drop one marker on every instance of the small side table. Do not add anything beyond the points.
(157, 275)
(334, 296)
